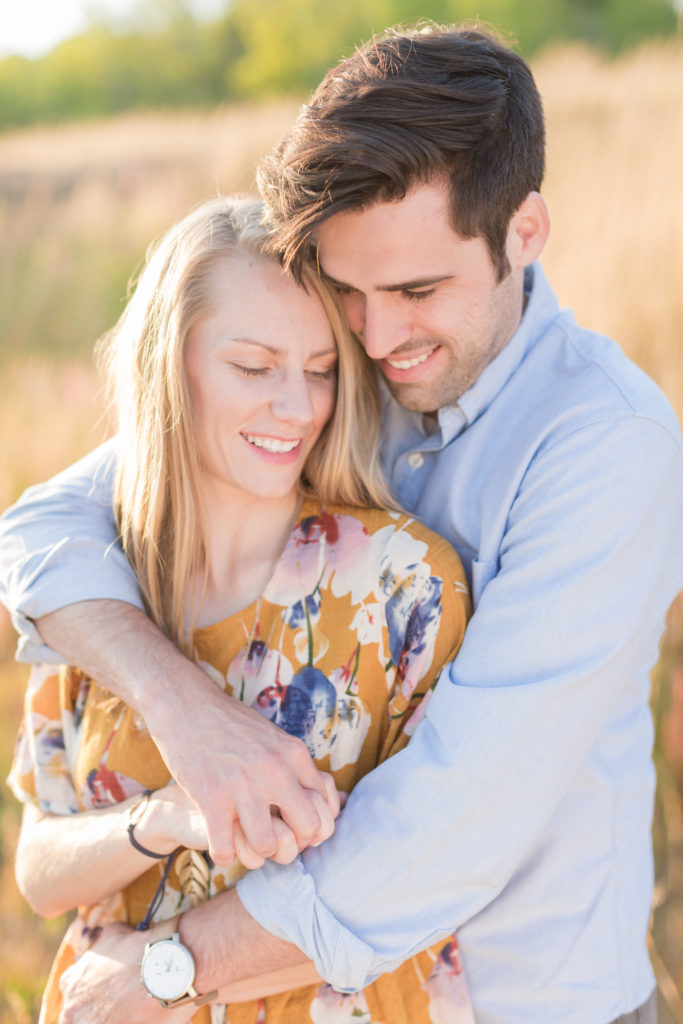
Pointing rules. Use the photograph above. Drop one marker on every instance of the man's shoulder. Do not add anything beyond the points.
(574, 377)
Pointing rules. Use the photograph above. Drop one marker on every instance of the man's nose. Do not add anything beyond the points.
(385, 327)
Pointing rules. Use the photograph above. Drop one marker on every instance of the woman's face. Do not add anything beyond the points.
(261, 368)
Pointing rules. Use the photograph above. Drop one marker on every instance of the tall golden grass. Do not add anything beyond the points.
(78, 206)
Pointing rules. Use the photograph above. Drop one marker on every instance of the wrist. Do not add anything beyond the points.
(206, 929)
(168, 968)
(148, 828)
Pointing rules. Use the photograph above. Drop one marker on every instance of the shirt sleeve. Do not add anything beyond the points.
(567, 626)
(58, 545)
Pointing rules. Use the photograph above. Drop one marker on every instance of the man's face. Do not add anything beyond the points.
(424, 301)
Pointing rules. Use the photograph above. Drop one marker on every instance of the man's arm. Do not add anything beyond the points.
(565, 634)
(232, 761)
(58, 546)
(59, 564)
(104, 986)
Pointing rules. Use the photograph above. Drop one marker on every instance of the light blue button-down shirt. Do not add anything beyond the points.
(520, 811)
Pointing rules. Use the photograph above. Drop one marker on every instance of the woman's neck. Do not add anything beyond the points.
(245, 538)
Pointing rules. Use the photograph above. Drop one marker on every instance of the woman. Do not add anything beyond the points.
(252, 509)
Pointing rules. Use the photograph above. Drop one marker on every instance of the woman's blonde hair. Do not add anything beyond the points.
(157, 491)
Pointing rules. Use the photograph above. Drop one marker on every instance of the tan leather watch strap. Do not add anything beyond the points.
(164, 929)
(192, 997)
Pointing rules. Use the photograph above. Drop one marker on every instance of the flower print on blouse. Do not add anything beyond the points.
(342, 649)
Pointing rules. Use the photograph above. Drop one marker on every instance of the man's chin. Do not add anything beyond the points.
(415, 397)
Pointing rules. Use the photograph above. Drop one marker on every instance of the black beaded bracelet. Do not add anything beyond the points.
(134, 817)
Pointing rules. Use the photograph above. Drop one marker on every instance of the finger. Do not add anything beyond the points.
(300, 812)
(303, 766)
(332, 795)
(287, 850)
(257, 825)
(326, 819)
(220, 831)
(198, 838)
(245, 854)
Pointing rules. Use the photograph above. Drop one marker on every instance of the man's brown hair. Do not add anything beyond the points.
(410, 107)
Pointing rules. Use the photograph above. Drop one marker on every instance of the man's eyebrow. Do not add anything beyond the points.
(402, 286)
(277, 351)
(420, 282)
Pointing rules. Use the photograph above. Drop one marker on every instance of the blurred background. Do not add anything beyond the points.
(117, 117)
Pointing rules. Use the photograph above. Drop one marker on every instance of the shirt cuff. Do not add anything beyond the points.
(278, 893)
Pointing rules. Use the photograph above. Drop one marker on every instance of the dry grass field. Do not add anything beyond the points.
(78, 205)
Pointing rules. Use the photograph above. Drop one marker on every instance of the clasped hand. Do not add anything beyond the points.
(173, 819)
(257, 788)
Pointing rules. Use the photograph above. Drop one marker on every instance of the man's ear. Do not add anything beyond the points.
(528, 231)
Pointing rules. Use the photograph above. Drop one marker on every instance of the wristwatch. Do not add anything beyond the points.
(168, 969)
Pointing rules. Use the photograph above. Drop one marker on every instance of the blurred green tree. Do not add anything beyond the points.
(163, 56)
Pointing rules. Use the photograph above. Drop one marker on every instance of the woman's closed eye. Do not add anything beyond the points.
(250, 371)
(326, 374)
(323, 374)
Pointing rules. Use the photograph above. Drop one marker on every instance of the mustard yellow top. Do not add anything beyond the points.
(363, 610)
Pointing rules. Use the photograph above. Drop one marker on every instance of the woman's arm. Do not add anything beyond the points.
(91, 856)
(70, 590)
(90, 853)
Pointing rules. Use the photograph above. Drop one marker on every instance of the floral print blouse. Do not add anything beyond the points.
(362, 611)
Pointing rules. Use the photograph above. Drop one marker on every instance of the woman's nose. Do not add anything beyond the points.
(293, 402)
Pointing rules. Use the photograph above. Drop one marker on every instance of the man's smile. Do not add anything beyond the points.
(407, 364)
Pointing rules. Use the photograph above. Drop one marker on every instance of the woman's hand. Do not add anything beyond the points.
(173, 819)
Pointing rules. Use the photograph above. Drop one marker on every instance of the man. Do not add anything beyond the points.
(520, 811)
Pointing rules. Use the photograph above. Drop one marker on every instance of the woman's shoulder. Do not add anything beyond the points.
(391, 528)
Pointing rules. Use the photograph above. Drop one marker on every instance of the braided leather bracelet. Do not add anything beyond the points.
(134, 817)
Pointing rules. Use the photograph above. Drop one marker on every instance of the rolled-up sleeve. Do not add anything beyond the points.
(566, 631)
(58, 545)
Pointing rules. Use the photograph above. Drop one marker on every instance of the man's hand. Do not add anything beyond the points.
(232, 952)
(234, 764)
(104, 985)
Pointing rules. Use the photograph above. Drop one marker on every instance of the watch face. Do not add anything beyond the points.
(167, 969)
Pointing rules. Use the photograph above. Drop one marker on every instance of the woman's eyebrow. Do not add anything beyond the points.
(277, 351)
(256, 343)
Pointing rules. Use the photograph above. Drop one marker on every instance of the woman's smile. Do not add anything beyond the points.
(280, 449)
(261, 368)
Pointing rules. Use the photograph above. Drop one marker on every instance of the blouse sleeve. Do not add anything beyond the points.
(426, 612)
(41, 772)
